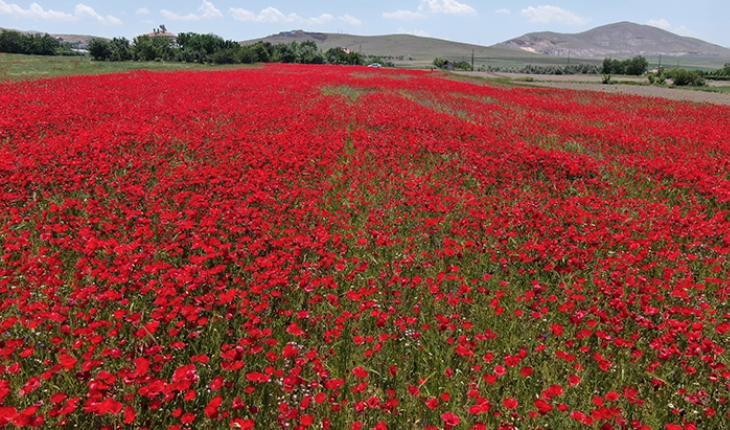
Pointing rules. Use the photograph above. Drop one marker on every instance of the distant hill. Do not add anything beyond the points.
(395, 45)
(620, 40)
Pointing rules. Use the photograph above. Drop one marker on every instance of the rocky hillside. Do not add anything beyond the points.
(402, 46)
(623, 39)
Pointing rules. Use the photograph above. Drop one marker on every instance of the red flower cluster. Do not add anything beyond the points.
(354, 248)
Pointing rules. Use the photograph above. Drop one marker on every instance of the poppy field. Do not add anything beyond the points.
(319, 247)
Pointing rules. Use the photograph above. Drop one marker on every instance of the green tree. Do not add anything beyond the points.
(355, 59)
(309, 53)
(100, 49)
(336, 56)
(681, 77)
(36, 44)
(200, 48)
(285, 53)
(439, 62)
(724, 72)
(15, 42)
(146, 48)
(247, 55)
(164, 48)
(225, 56)
(340, 56)
(613, 66)
(11, 42)
(143, 49)
(463, 65)
(120, 49)
(636, 66)
(263, 52)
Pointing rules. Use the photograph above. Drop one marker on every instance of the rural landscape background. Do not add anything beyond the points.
(344, 233)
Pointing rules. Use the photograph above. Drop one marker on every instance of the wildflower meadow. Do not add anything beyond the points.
(327, 247)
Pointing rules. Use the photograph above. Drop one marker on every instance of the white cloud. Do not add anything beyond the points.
(322, 19)
(274, 15)
(37, 12)
(209, 11)
(403, 15)
(665, 25)
(451, 7)
(503, 11)
(271, 14)
(661, 23)
(549, 14)
(142, 11)
(413, 32)
(349, 19)
(206, 11)
(83, 10)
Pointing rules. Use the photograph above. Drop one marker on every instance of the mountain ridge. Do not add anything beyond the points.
(406, 46)
(622, 39)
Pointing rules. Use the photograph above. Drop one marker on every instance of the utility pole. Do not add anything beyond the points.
(569, 58)
(472, 59)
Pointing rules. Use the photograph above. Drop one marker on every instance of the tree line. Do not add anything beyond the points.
(636, 66)
(722, 74)
(209, 48)
(15, 42)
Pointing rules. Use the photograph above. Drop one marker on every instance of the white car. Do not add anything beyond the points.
(376, 65)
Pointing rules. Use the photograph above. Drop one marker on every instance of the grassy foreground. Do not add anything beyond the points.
(17, 67)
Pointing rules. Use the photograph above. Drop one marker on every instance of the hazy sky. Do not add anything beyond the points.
(472, 21)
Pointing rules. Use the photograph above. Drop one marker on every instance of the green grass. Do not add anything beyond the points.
(724, 89)
(497, 81)
(17, 67)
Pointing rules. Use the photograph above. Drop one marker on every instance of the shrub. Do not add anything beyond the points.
(681, 78)
(100, 49)
(462, 65)
(634, 66)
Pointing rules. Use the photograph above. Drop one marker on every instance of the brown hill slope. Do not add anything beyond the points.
(620, 40)
(395, 45)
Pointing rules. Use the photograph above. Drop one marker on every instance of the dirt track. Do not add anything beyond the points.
(593, 83)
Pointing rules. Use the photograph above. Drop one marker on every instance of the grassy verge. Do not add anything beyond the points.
(18, 67)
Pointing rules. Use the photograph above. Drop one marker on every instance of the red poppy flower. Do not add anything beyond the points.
(450, 419)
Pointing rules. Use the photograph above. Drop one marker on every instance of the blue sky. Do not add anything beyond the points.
(471, 21)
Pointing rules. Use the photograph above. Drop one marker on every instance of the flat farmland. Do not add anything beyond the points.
(717, 92)
(352, 248)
